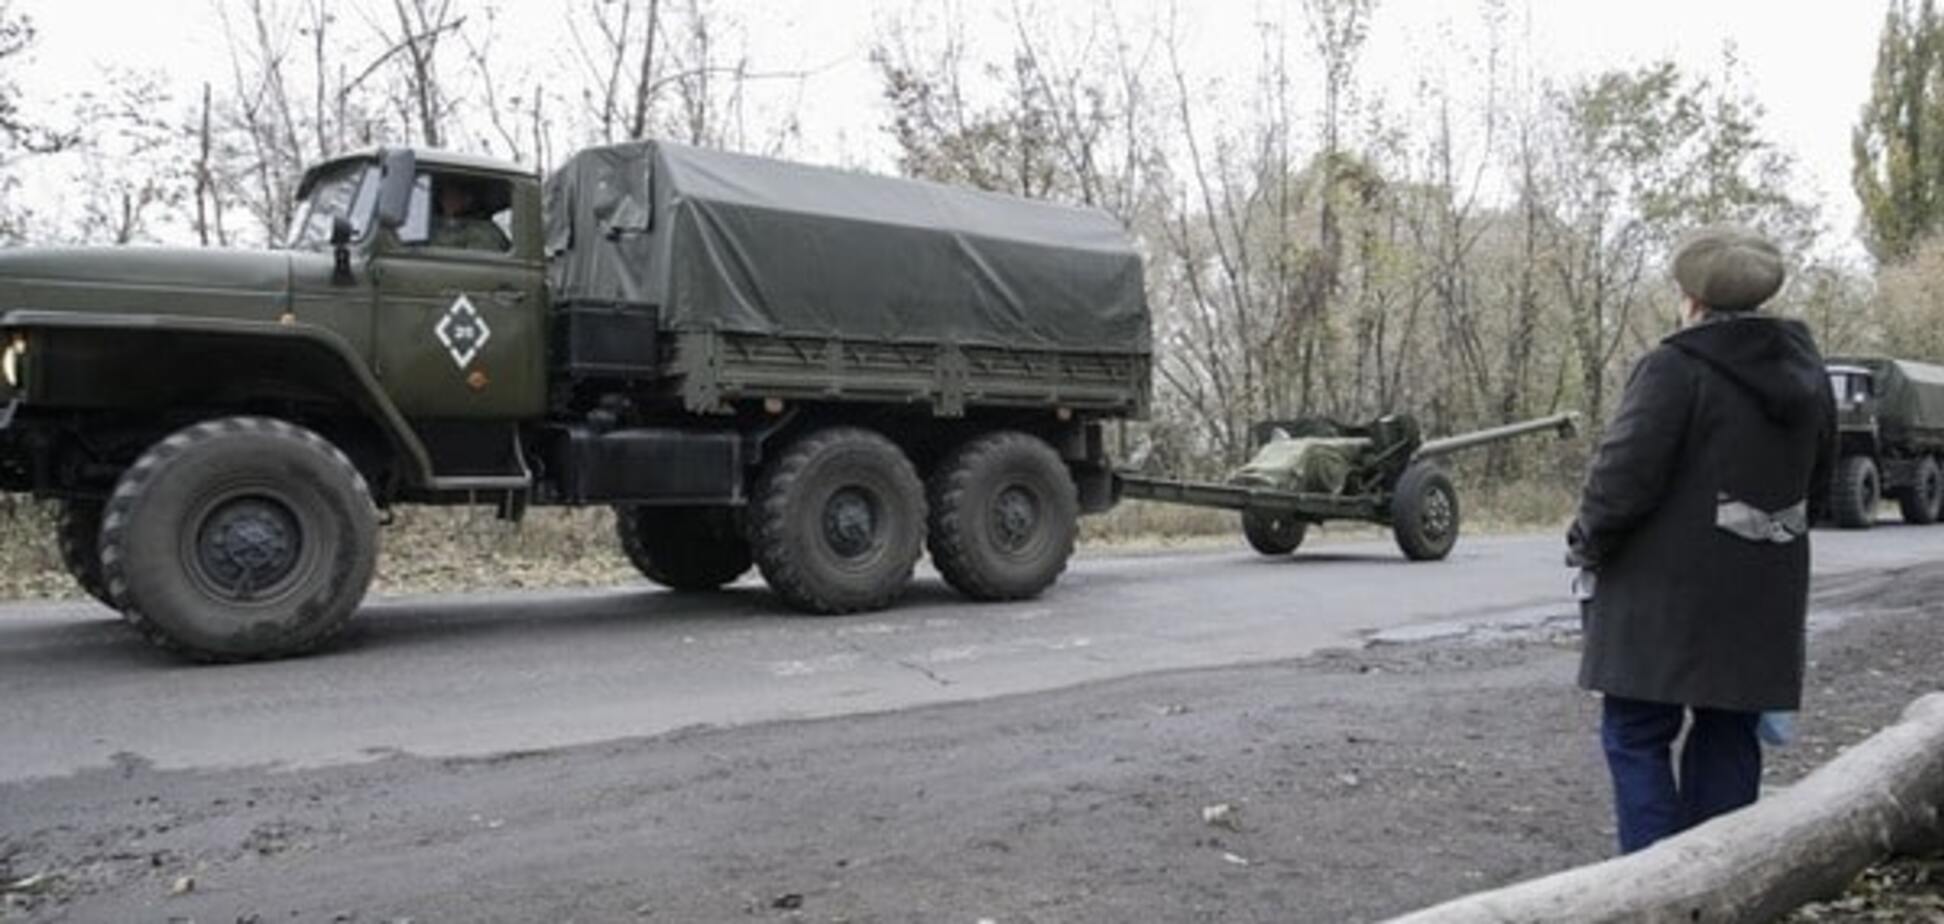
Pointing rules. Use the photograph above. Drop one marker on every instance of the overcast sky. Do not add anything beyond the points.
(1808, 62)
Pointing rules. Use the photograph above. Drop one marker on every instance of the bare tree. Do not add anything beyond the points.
(421, 26)
(209, 200)
(132, 153)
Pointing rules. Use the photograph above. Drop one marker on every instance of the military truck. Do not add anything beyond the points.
(1890, 421)
(817, 372)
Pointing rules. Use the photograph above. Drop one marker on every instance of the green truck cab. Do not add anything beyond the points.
(816, 372)
(1890, 430)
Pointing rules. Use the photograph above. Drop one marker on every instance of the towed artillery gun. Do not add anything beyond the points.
(1314, 470)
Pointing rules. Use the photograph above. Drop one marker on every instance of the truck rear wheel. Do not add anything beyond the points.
(683, 548)
(79, 536)
(1854, 496)
(1004, 515)
(1923, 501)
(1273, 533)
(837, 522)
(240, 539)
(1424, 513)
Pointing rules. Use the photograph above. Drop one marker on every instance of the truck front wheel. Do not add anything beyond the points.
(1004, 514)
(1923, 501)
(79, 535)
(837, 522)
(1855, 493)
(240, 539)
(683, 548)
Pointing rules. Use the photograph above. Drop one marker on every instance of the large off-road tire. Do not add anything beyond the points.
(1004, 515)
(240, 539)
(1424, 513)
(1923, 501)
(838, 521)
(683, 548)
(79, 536)
(1854, 495)
(1273, 533)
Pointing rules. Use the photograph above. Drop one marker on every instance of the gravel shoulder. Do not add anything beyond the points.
(1362, 783)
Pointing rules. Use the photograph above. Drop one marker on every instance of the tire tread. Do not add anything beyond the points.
(769, 526)
(949, 540)
(139, 479)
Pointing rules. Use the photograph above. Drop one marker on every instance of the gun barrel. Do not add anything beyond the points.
(1564, 424)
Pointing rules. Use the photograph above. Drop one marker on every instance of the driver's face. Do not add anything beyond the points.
(453, 201)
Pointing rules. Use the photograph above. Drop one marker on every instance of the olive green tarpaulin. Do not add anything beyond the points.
(733, 243)
(1316, 465)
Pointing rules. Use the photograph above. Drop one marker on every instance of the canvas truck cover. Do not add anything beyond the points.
(739, 244)
(1909, 394)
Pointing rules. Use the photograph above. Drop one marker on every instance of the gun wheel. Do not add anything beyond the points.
(1424, 513)
(1273, 533)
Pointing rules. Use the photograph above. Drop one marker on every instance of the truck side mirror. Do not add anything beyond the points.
(341, 234)
(400, 166)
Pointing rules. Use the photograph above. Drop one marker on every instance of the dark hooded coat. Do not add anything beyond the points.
(1731, 414)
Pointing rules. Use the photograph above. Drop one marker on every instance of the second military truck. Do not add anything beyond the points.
(814, 372)
(1890, 421)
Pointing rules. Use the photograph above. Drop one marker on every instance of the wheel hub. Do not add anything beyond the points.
(247, 545)
(1015, 518)
(851, 523)
(1437, 515)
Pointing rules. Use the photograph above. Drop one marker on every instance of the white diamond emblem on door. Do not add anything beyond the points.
(463, 331)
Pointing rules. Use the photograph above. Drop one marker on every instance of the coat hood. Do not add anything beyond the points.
(1773, 358)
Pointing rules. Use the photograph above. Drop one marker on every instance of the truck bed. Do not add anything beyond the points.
(710, 370)
(768, 279)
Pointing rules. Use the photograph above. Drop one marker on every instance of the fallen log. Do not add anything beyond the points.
(1879, 798)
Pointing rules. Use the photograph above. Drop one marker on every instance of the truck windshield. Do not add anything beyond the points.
(1849, 387)
(349, 191)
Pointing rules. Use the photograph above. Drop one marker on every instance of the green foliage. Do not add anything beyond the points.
(1898, 143)
(1642, 157)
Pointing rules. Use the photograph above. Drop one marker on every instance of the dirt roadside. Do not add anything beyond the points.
(1360, 784)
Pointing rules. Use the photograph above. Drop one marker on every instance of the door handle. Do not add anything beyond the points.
(509, 294)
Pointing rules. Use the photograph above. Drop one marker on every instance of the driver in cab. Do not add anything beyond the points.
(459, 224)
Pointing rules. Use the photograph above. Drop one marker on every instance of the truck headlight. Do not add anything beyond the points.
(11, 358)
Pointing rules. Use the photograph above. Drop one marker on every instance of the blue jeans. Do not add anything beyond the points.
(1721, 766)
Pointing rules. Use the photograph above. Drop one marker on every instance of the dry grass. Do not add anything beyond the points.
(30, 563)
(454, 550)
(444, 550)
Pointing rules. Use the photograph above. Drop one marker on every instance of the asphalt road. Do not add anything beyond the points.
(499, 673)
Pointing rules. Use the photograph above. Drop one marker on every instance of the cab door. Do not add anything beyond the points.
(459, 329)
